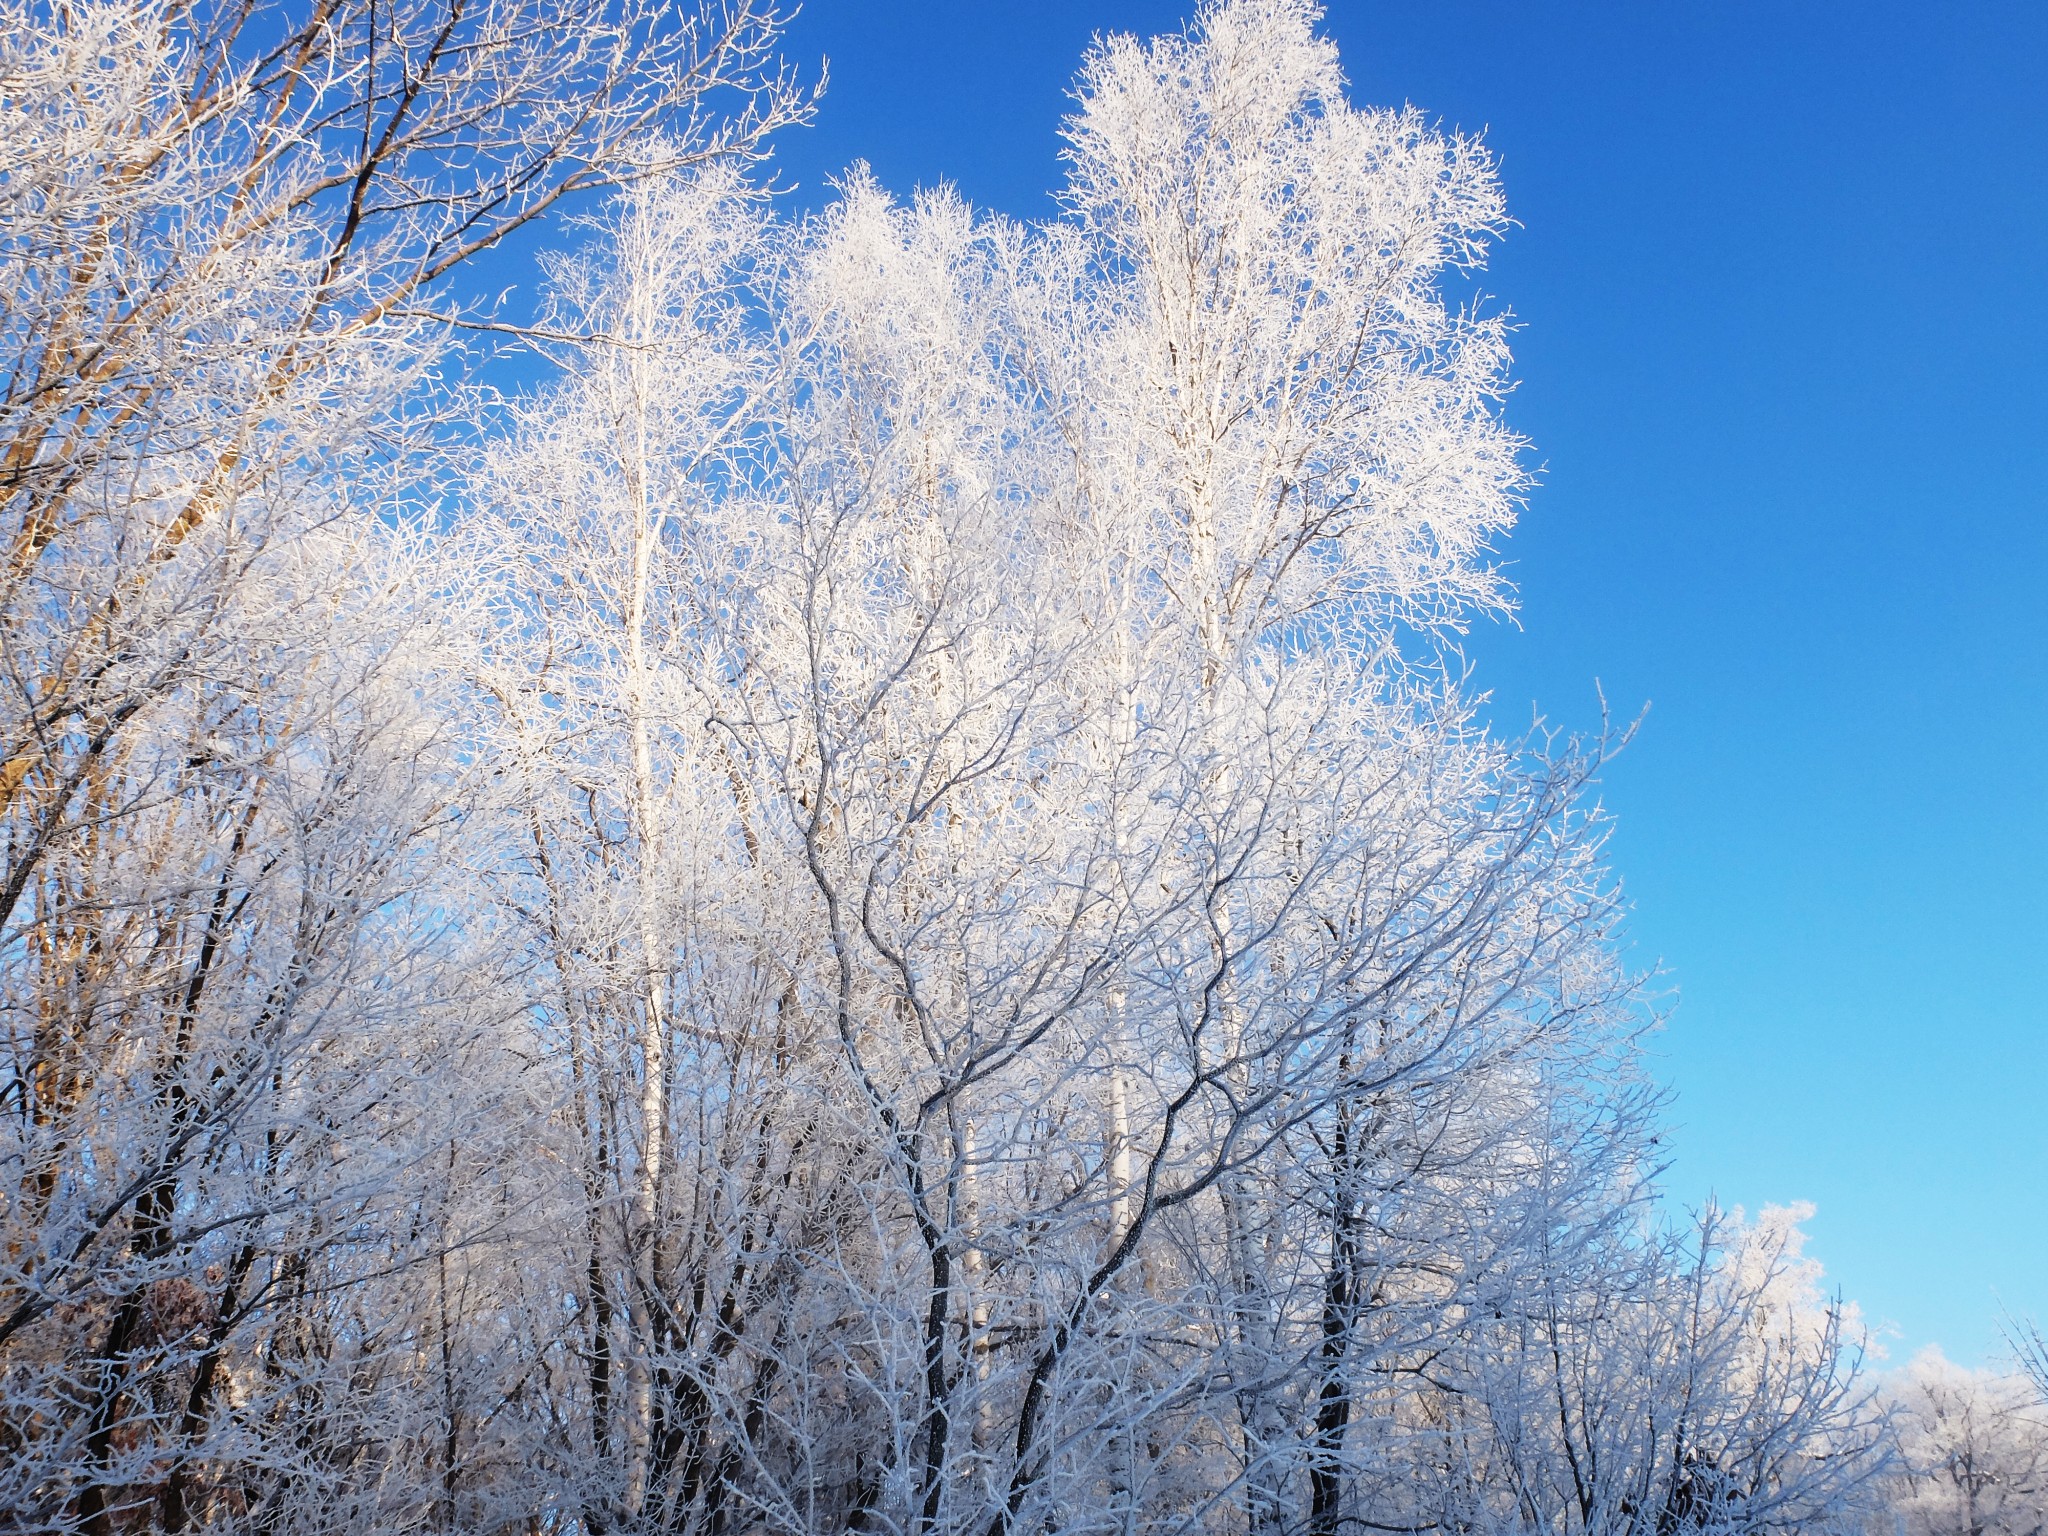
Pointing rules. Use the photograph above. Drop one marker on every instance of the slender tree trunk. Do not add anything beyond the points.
(646, 1296)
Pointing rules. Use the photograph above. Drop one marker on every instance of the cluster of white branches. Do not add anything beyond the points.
(888, 915)
(1973, 1450)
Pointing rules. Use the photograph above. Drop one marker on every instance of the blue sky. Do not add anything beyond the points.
(1785, 361)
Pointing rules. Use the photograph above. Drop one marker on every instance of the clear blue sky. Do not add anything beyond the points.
(1785, 360)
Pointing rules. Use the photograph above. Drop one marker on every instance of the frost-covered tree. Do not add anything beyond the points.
(894, 919)
(1676, 1382)
(236, 999)
(1066, 1020)
(1974, 1451)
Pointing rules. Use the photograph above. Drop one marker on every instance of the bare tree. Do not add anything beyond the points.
(2031, 1350)
(1058, 1006)
(1974, 1446)
(892, 916)
(224, 230)
(1688, 1382)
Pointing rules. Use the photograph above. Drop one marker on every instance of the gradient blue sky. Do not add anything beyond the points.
(1785, 361)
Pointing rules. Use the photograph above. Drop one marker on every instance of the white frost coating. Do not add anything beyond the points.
(901, 926)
